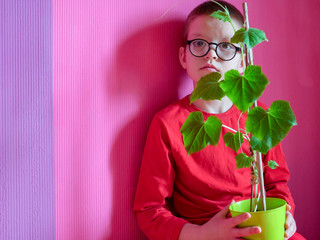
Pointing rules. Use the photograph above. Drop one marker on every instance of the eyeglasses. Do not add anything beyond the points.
(225, 51)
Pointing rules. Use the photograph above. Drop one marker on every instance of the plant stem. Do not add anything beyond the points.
(226, 11)
(256, 198)
(244, 63)
(233, 130)
(234, 29)
(251, 199)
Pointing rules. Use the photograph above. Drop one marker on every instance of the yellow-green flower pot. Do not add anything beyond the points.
(271, 221)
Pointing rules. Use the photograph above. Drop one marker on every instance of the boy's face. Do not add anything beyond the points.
(212, 30)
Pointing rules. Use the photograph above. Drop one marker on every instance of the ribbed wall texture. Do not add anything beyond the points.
(26, 113)
(115, 64)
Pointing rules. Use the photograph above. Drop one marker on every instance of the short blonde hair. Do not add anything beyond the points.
(208, 8)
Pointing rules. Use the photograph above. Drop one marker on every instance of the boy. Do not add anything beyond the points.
(181, 196)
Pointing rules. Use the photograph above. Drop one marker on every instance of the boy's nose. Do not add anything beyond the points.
(212, 54)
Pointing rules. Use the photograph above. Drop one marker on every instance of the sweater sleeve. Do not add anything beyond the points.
(155, 187)
(276, 179)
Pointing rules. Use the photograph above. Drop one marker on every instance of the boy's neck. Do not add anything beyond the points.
(214, 106)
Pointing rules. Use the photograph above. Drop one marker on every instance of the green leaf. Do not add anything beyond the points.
(250, 37)
(197, 134)
(243, 160)
(208, 88)
(273, 164)
(212, 128)
(270, 126)
(258, 145)
(244, 90)
(224, 16)
(233, 141)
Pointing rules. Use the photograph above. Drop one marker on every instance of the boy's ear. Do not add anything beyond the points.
(182, 57)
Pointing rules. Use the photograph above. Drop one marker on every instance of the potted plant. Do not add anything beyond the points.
(264, 129)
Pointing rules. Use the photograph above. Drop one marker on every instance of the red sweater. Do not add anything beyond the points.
(175, 188)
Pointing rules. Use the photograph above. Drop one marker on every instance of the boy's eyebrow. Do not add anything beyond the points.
(200, 36)
(196, 34)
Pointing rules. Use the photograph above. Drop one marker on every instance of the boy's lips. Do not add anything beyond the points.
(210, 68)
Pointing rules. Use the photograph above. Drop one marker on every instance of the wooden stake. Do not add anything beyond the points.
(257, 155)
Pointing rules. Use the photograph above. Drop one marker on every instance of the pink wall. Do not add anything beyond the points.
(115, 65)
(27, 204)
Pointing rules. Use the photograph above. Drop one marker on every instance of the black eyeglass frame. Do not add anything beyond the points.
(215, 49)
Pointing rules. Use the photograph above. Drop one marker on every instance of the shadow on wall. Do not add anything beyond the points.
(147, 67)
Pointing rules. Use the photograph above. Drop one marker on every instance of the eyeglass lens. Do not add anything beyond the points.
(200, 48)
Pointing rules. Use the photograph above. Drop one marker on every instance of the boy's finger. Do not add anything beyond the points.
(224, 211)
(290, 225)
(289, 232)
(234, 221)
(242, 232)
(288, 207)
(289, 220)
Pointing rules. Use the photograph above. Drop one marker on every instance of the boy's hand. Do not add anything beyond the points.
(290, 224)
(221, 227)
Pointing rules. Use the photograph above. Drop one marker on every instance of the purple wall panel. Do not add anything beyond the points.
(101, 71)
(26, 121)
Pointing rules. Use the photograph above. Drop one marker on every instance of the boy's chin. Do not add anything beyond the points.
(205, 73)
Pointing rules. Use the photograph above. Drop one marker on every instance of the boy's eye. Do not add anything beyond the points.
(225, 46)
(198, 43)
